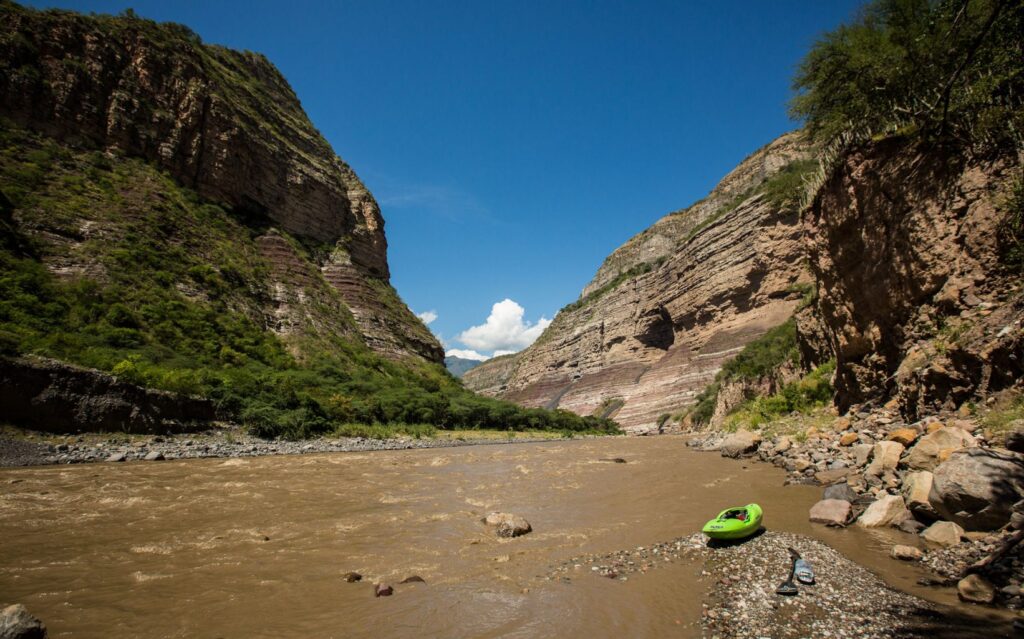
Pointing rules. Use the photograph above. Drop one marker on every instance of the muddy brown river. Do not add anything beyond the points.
(256, 547)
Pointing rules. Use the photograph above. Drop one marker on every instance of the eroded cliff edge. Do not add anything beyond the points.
(227, 125)
(667, 308)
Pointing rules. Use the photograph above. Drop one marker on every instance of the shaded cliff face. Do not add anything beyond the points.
(224, 124)
(666, 309)
(914, 298)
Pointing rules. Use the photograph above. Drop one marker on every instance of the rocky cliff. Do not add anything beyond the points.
(226, 125)
(667, 308)
(916, 300)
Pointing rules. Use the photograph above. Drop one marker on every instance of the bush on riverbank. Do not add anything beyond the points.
(810, 392)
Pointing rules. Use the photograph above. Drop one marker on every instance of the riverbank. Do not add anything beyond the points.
(20, 447)
(943, 481)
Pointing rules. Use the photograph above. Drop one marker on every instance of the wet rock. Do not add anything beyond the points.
(943, 533)
(905, 436)
(977, 488)
(614, 460)
(413, 579)
(841, 491)
(16, 622)
(742, 442)
(910, 526)
(507, 524)
(885, 458)
(886, 511)
(905, 553)
(383, 590)
(352, 577)
(976, 589)
(117, 457)
(834, 512)
(154, 456)
(927, 452)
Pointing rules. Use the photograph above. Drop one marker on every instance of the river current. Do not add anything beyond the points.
(257, 547)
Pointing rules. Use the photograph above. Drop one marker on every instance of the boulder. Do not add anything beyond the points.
(975, 589)
(507, 524)
(926, 453)
(154, 456)
(917, 487)
(352, 577)
(117, 457)
(885, 457)
(413, 579)
(827, 477)
(841, 491)
(16, 622)
(1015, 436)
(905, 436)
(905, 553)
(742, 442)
(911, 526)
(841, 424)
(978, 487)
(836, 512)
(383, 590)
(784, 444)
(888, 510)
(943, 533)
(861, 453)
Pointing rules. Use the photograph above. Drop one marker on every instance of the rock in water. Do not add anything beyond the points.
(17, 623)
(383, 590)
(943, 533)
(976, 590)
(507, 524)
(978, 487)
(352, 577)
(741, 442)
(413, 579)
(842, 491)
(835, 512)
(887, 511)
(905, 553)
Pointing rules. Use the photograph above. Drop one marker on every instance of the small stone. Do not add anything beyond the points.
(848, 439)
(841, 424)
(383, 590)
(905, 436)
(352, 577)
(905, 553)
(885, 457)
(117, 457)
(154, 456)
(976, 589)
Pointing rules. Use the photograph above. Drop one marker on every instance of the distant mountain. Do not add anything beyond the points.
(459, 366)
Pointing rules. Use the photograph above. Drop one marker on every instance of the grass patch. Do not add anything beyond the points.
(1006, 416)
(812, 391)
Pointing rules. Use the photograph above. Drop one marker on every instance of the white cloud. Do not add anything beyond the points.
(504, 330)
(427, 316)
(499, 353)
(466, 354)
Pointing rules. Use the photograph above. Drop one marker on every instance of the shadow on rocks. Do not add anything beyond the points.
(949, 623)
(729, 543)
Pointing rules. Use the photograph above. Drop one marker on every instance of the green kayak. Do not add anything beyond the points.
(735, 523)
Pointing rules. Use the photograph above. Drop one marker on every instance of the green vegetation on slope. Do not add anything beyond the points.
(167, 290)
(1011, 231)
(812, 391)
(951, 68)
(757, 359)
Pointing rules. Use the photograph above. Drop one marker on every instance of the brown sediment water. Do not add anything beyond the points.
(253, 547)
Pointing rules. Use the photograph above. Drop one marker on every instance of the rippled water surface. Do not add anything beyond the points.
(258, 546)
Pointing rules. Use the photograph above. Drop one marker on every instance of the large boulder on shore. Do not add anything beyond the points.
(886, 511)
(943, 533)
(833, 512)
(742, 442)
(929, 451)
(976, 590)
(16, 622)
(507, 524)
(978, 487)
(917, 489)
(885, 458)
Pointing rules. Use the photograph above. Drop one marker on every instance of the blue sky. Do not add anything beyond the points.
(512, 146)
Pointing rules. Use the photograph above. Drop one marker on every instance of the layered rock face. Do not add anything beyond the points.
(223, 123)
(666, 309)
(913, 298)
